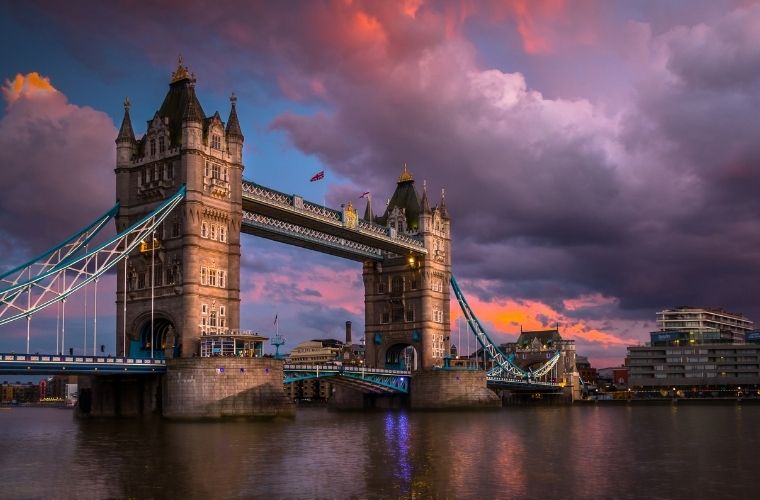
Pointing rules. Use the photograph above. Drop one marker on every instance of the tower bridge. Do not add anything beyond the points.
(182, 206)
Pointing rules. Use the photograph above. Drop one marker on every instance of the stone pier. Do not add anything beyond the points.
(218, 387)
(451, 389)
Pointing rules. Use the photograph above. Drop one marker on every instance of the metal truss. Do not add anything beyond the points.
(373, 379)
(311, 235)
(505, 368)
(24, 298)
(56, 255)
(296, 204)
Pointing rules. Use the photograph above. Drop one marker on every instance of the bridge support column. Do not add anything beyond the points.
(451, 389)
(119, 395)
(220, 387)
(348, 398)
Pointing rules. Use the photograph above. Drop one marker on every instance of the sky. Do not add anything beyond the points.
(600, 158)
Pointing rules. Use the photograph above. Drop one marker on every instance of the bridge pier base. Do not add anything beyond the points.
(451, 389)
(119, 395)
(224, 387)
(348, 398)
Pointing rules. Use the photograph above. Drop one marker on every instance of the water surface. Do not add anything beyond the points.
(548, 452)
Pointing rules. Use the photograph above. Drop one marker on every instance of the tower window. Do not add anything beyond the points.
(221, 310)
(216, 141)
(175, 227)
(222, 234)
(204, 275)
(397, 284)
(221, 279)
(158, 275)
(410, 312)
(212, 277)
(153, 147)
(204, 229)
(161, 145)
(213, 231)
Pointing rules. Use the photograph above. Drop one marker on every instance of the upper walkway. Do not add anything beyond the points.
(291, 219)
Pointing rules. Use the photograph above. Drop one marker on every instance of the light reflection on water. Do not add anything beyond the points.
(560, 452)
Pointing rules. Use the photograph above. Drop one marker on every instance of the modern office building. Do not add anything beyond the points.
(698, 365)
(691, 325)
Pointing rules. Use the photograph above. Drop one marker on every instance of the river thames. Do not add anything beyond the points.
(539, 452)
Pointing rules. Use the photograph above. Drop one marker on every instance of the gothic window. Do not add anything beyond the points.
(213, 232)
(212, 319)
(204, 229)
(222, 234)
(437, 314)
(153, 147)
(221, 279)
(226, 177)
(385, 315)
(216, 141)
(161, 147)
(397, 313)
(141, 280)
(212, 277)
(410, 312)
(158, 274)
(397, 284)
(437, 285)
(204, 309)
(169, 275)
(221, 310)
(215, 171)
(206, 170)
(204, 275)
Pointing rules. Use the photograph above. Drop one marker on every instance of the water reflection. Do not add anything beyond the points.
(584, 452)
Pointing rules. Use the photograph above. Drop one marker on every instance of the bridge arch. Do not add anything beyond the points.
(402, 356)
(164, 340)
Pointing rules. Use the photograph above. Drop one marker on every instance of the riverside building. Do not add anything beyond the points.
(697, 349)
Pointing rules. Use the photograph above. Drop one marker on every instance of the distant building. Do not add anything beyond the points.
(587, 373)
(690, 326)
(534, 348)
(706, 364)
(314, 352)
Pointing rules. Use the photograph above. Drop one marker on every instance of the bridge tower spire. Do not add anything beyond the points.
(195, 257)
(407, 296)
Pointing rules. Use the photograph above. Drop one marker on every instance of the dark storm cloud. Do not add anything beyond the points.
(650, 200)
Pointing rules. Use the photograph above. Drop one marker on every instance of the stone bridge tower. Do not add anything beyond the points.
(187, 279)
(406, 297)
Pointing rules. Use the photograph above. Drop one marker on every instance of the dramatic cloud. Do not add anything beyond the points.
(600, 158)
(57, 166)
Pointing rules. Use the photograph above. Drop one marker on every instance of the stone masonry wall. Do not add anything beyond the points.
(200, 388)
(441, 389)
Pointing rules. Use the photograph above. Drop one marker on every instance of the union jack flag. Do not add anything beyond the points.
(318, 176)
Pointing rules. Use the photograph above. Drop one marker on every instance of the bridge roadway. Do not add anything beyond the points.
(371, 380)
(291, 219)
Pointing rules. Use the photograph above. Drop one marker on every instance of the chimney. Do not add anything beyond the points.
(348, 333)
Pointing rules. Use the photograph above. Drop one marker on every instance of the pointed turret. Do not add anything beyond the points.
(126, 146)
(233, 125)
(368, 216)
(442, 206)
(425, 203)
(405, 198)
(126, 133)
(192, 111)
